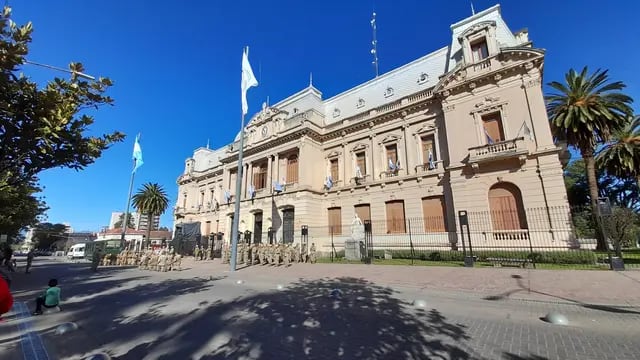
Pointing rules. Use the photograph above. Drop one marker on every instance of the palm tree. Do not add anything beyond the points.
(586, 111)
(621, 156)
(151, 201)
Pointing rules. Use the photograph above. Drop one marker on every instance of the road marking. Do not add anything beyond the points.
(31, 342)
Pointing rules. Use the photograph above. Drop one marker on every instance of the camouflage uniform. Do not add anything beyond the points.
(312, 254)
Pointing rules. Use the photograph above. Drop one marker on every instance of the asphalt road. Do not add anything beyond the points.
(196, 314)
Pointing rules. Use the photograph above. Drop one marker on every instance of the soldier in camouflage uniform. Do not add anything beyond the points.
(286, 255)
(196, 253)
(312, 254)
(246, 253)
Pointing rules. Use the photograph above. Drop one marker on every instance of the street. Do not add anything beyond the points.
(205, 312)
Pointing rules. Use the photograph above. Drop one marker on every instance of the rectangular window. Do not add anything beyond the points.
(201, 199)
(492, 127)
(433, 210)
(260, 176)
(233, 177)
(392, 153)
(395, 217)
(184, 201)
(479, 50)
(211, 196)
(428, 151)
(335, 221)
(364, 212)
(361, 162)
(335, 173)
(292, 169)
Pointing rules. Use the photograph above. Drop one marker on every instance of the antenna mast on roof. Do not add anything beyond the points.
(374, 43)
(473, 11)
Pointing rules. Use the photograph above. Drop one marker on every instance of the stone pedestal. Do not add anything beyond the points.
(352, 250)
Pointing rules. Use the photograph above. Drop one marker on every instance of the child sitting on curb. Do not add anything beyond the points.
(50, 298)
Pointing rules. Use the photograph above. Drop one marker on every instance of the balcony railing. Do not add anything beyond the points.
(498, 150)
(427, 168)
(360, 180)
(482, 66)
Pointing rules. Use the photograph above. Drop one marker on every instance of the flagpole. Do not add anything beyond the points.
(125, 221)
(236, 212)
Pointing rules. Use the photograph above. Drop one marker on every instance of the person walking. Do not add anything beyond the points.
(95, 259)
(30, 256)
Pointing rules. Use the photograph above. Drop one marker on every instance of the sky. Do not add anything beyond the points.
(176, 68)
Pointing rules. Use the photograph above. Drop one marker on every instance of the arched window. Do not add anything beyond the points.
(507, 211)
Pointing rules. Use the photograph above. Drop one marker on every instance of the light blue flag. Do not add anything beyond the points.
(137, 155)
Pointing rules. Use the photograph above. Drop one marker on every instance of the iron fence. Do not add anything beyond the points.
(532, 238)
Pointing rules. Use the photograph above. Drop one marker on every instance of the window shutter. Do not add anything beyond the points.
(493, 126)
(334, 170)
(433, 210)
(363, 212)
(335, 220)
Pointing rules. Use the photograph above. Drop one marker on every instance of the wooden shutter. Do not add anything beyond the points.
(292, 169)
(493, 125)
(335, 220)
(361, 162)
(479, 50)
(427, 144)
(395, 217)
(260, 176)
(363, 211)
(505, 212)
(392, 153)
(433, 210)
(335, 173)
(233, 176)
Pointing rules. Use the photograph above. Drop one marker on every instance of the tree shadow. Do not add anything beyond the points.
(303, 321)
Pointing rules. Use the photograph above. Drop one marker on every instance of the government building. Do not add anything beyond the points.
(463, 128)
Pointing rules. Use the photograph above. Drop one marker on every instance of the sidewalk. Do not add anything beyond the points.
(564, 286)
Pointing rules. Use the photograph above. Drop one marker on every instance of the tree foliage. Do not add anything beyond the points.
(41, 127)
(621, 156)
(45, 234)
(118, 224)
(584, 111)
(151, 200)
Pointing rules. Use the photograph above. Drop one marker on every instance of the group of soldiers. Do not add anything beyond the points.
(270, 254)
(202, 253)
(157, 260)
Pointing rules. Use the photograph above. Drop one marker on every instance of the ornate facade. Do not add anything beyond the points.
(462, 128)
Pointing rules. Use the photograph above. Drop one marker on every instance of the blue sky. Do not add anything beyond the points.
(176, 67)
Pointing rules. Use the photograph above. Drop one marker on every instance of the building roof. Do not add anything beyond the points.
(415, 76)
(159, 234)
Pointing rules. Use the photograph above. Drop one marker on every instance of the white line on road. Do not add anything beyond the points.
(32, 345)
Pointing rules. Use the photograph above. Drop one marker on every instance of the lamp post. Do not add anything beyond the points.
(72, 72)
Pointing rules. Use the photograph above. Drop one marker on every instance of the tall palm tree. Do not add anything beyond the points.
(585, 111)
(151, 201)
(621, 156)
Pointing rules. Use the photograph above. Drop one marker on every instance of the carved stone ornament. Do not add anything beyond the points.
(359, 147)
(497, 77)
(388, 92)
(472, 85)
(488, 100)
(390, 138)
(361, 103)
(446, 93)
(423, 78)
(336, 112)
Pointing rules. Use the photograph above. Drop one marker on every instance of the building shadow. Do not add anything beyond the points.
(521, 287)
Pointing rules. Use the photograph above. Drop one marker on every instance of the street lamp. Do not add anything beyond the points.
(72, 72)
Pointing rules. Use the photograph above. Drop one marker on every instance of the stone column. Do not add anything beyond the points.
(344, 163)
(408, 155)
(269, 177)
(244, 180)
(373, 155)
(249, 177)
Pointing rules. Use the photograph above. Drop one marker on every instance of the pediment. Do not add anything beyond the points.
(359, 146)
(334, 154)
(426, 128)
(475, 28)
(391, 138)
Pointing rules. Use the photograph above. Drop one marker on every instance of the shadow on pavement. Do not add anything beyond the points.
(301, 321)
(510, 356)
(522, 287)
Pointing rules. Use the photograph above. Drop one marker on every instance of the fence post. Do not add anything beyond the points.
(332, 245)
(464, 223)
(410, 241)
(368, 242)
(304, 239)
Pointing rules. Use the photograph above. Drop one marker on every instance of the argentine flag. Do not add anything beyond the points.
(137, 155)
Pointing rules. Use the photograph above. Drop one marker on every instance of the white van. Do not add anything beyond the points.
(76, 252)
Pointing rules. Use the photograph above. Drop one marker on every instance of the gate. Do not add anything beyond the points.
(288, 230)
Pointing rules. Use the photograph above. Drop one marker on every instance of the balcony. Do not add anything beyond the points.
(359, 180)
(499, 150)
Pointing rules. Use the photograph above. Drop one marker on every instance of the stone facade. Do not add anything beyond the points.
(462, 128)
